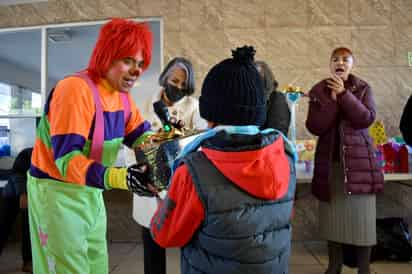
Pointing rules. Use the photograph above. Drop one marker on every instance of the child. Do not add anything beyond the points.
(177, 83)
(229, 205)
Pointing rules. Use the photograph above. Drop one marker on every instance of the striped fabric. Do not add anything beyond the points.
(65, 131)
(348, 219)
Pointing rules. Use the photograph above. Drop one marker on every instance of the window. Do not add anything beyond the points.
(33, 59)
(17, 133)
(5, 98)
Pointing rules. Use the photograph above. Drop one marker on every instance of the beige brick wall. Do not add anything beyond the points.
(295, 37)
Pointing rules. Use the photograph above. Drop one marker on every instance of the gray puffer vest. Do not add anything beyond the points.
(240, 233)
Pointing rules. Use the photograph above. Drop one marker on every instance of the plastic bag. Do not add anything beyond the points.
(393, 240)
(393, 243)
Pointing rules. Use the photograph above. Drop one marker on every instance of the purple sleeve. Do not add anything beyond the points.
(323, 111)
(359, 112)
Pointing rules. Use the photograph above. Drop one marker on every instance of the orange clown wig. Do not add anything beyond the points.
(118, 39)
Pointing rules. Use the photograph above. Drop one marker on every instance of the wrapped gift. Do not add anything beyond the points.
(377, 133)
(391, 155)
(405, 159)
(306, 149)
(306, 152)
(390, 158)
(380, 158)
(161, 151)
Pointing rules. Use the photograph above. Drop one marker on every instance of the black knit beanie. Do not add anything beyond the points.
(232, 92)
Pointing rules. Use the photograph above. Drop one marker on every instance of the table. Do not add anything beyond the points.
(406, 178)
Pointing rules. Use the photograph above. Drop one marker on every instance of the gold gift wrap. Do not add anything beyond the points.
(161, 150)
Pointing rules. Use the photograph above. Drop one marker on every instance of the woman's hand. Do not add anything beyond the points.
(179, 124)
(335, 83)
(333, 95)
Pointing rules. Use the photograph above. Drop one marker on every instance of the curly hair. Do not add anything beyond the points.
(119, 38)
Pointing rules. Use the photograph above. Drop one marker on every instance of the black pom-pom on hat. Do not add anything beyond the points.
(232, 92)
(245, 54)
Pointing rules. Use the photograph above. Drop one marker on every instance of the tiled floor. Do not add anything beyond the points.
(127, 258)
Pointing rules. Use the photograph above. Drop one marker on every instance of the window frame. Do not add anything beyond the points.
(43, 53)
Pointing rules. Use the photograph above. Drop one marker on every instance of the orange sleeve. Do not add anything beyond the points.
(70, 117)
(180, 214)
(72, 108)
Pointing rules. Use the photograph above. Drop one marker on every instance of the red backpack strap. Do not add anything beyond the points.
(96, 148)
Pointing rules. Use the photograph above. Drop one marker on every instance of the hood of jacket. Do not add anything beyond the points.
(258, 164)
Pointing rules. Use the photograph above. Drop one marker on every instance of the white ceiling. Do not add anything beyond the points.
(16, 2)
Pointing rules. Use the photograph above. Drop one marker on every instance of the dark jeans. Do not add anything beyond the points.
(9, 209)
(154, 255)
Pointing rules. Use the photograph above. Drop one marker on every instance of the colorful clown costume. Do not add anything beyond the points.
(67, 212)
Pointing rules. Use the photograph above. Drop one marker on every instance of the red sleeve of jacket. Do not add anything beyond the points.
(180, 214)
(323, 111)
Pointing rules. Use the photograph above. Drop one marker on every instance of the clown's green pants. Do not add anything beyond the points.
(67, 227)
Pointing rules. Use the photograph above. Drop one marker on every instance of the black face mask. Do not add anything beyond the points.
(173, 93)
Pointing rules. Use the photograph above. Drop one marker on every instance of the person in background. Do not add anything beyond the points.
(86, 119)
(346, 175)
(15, 202)
(177, 82)
(177, 87)
(229, 205)
(278, 113)
(406, 122)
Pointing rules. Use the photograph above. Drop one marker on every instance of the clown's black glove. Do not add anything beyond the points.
(138, 180)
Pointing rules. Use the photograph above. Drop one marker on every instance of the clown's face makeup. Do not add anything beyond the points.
(341, 64)
(123, 74)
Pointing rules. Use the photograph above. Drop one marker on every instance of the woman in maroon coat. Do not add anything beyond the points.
(346, 176)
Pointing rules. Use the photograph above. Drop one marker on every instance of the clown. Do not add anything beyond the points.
(86, 119)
